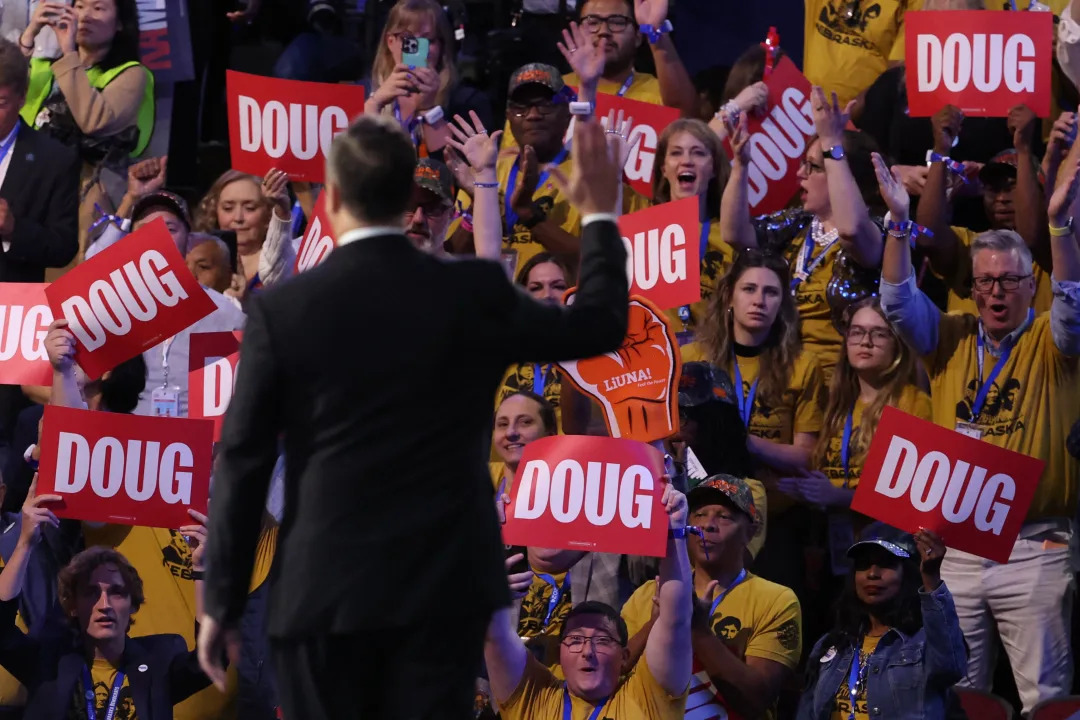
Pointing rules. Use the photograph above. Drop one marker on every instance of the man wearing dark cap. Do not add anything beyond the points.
(429, 211)
(747, 631)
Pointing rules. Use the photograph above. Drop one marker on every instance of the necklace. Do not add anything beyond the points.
(822, 238)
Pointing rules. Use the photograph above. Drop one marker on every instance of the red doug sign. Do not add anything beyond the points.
(213, 361)
(778, 139)
(984, 62)
(25, 317)
(128, 298)
(590, 493)
(125, 469)
(662, 253)
(974, 494)
(318, 239)
(287, 124)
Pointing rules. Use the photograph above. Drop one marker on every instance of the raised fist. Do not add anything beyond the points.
(635, 385)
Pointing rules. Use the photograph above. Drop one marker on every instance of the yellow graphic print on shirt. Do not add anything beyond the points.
(718, 258)
(103, 675)
(535, 607)
(816, 328)
(842, 707)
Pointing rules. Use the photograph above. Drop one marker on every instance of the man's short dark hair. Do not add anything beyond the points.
(14, 68)
(629, 10)
(372, 163)
(595, 607)
(77, 573)
(120, 391)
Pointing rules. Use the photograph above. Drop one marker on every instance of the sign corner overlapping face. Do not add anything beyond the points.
(589, 493)
(125, 469)
(973, 494)
(213, 361)
(25, 317)
(128, 298)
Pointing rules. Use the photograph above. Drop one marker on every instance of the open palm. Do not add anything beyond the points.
(585, 58)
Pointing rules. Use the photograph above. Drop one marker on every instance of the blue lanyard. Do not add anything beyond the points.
(746, 403)
(720, 598)
(808, 266)
(511, 183)
(540, 377)
(845, 445)
(556, 593)
(566, 709)
(6, 147)
(705, 237)
(114, 696)
(853, 682)
(626, 85)
(1006, 351)
(413, 123)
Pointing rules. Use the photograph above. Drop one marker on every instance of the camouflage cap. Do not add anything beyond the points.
(536, 74)
(434, 176)
(735, 490)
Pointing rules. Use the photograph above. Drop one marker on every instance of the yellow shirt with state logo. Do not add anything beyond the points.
(103, 675)
(816, 328)
(539, 696)
(848, 43)
(842, 706)
(541, 622)
(757, 618)
(959, 285)
(718, 258)
(1030, 407)
(163, 560)
(912, 401)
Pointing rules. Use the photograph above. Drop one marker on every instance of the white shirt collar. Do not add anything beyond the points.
(368, 232)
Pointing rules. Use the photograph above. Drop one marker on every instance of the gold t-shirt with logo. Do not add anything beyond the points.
(816, 328)
(103, 675)
(912, 401)
(535, 607)
(849, 43)
(959, 285)
(842, 706)
(757, 618)
(718, 258)
(1030, 408)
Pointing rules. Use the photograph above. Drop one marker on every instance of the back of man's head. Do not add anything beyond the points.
(370, 172)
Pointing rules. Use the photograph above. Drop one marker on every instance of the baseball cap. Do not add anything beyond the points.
(701, 382)
(434, 176)
(161, 200)
(896, 542)
(723, 487)
(1000, 168)
(536, 74)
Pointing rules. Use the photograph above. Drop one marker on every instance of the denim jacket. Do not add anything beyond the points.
(909, 676)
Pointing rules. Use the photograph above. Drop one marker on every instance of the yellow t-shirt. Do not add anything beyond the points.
(842, 708)
(536, 607)
(960, 299)
(539, 696)
(163, 561)
(912, 401)
(522, 376)
(718, 258)
(757, 618)
(848, 45)
(818, 333)
(103, 675)
(1029, 409)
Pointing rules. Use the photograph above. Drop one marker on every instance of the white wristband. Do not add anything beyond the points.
(434, 115)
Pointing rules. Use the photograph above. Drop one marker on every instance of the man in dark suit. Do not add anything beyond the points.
(378, 368)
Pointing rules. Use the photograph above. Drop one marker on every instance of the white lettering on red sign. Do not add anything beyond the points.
(302, 130)
(932, 482)
(980, 59)
(780, 141)
(141, 470)
(639, 165)
(568, 489)
(315, 247)
(656, 254)
(23, 331)
(129, 293)
(219, 383)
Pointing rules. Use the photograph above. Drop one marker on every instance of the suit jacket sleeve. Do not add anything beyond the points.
(596, 321)
(53, 239)
(249, 450)
(185, 676)
(19, 655)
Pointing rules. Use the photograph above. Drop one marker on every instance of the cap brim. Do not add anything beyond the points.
(891, 548)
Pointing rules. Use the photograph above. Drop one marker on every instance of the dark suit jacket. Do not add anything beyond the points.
(42, 190)
(380, 366)
(161, 671)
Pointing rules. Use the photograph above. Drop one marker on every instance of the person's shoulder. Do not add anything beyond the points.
(914, 401)
(770, 594)
(693, 352)
(965, 235)
(43, 144)
(164, 644)
(808, 368)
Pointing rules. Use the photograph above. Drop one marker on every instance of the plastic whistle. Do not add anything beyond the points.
(694, 530)
(772, 47)
(954, 166)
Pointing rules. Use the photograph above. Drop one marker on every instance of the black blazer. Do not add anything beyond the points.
(380, 367)
(161, 671)
(42, 189)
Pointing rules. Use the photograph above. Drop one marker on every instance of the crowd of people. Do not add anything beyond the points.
(928, 264)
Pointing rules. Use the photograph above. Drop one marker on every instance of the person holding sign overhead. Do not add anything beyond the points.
(1011, 378)
(832, 243)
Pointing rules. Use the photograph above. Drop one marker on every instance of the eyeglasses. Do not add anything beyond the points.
(809, 166)
(615, 23)
(543, 107)
(432, 209)
(1009, 283)
(856, 335)
(601, 643)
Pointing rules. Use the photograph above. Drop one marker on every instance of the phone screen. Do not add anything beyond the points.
(414, 51)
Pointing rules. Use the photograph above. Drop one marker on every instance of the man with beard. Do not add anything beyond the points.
(429, 213)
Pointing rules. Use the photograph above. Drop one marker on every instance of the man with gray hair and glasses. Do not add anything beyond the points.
(1010, 378)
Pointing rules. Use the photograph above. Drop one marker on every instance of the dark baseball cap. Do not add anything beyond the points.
(161, 200)
(702, 382)
(435, 176)
(724, 489)
(536, 74)
(1000, 169)
(895, 542)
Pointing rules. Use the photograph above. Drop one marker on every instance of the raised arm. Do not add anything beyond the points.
(1030, 205)
(735, 225)
(34, 515)
(859, 235)
(504, 653)
(669, 651)
(946, 653)
(1065, 309)
(935, 211)
(480, 151)
(60, 347)
(676, 87)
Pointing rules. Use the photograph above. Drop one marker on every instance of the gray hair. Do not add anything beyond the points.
(198, 238)
(1004, 241)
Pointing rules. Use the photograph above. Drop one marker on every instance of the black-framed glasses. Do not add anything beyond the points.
(601, 643)
(857, 335)
(1008, 283)
(543, 107)
(809, 166)
(432, 208)
(615, 23)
